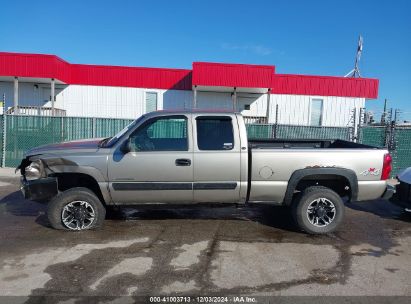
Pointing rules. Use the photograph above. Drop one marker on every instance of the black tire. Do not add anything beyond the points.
(58, 203)
(311, 221)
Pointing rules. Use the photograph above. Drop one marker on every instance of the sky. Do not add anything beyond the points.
(298, 37)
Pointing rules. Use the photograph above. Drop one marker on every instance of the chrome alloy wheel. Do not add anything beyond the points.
(78, 215)
(321, 212)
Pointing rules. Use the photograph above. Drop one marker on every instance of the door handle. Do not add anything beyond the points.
(183, 162)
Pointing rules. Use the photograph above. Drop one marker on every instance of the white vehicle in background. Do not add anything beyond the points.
(402, 197)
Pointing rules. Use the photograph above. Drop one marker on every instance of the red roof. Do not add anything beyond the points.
(51, 66)
(232, 75)
(324, 86)
(202, 74)
(34, 65)
(136, 77)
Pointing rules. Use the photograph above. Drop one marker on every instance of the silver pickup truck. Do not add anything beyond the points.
(192, 157)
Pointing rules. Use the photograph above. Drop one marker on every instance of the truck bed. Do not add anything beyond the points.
(305, 144)
(272, 163)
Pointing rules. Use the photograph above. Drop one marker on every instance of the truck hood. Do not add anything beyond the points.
(84, 145)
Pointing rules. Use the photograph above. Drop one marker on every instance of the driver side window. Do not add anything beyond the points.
(161, 134)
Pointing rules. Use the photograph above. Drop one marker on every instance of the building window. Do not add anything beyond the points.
(215, 133)
(316, 115)
(247, 107)
(151, 102)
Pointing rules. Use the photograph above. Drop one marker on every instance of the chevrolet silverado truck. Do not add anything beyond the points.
(193, 157)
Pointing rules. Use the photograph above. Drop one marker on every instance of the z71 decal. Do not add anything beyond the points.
(370, 171)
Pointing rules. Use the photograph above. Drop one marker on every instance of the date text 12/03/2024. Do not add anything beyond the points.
(203, 299)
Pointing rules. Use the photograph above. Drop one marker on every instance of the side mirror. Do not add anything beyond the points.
(125, 147)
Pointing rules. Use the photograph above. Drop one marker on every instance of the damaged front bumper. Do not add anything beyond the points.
(42, 189)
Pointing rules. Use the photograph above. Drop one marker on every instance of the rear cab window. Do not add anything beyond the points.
(214, 133)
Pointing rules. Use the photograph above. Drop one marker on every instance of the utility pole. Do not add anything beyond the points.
(16, 95)
(234, 97)
(194, 105)
(3, 154)
(53, 95)
(267, 114)
(384, 113)
(396, 116)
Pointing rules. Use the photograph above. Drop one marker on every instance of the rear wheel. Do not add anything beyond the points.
(318, 210)
(76, 209)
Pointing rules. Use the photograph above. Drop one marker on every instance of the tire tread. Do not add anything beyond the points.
(56, 204)
(299, 213)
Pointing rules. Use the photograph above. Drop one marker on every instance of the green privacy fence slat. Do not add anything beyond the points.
(310, 132)
(1, 138)
(76, 128)
(260, 131)
(106, 127)
(170, 128)
(265, 131)
(373, 136)
(401, 150)
(26, 132)
(401, 154)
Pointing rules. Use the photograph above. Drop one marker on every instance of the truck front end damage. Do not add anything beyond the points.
(39, 190)
(36, 183)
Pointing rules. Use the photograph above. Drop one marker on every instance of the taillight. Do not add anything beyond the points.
(386, 167)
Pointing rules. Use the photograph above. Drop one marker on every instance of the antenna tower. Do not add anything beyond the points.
(356, 71)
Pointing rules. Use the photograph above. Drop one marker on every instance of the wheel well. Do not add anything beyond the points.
(67, 181)
(338, 183)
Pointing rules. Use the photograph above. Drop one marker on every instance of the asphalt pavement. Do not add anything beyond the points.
(207, 250)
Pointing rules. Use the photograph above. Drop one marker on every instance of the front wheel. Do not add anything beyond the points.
(318, 210)
(76, 209)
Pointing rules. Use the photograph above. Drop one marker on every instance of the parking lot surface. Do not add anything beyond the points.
(208, 251)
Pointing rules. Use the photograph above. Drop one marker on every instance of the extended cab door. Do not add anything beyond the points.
(159, 167)
(217, 168)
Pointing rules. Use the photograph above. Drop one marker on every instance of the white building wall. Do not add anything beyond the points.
(257, 102)
(295, 109)
(337, 110)
(122, 102)
(98, 101)
(30, 94)
(292, 109)
(117, 102)
(214, 100)
(177, 99)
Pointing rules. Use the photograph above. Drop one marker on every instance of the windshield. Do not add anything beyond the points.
(116, 137)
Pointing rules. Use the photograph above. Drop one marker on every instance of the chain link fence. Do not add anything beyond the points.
(401, 148)
(372, 135)
(266, 131)
(2, 137)
(391, 135)
(25, 132)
